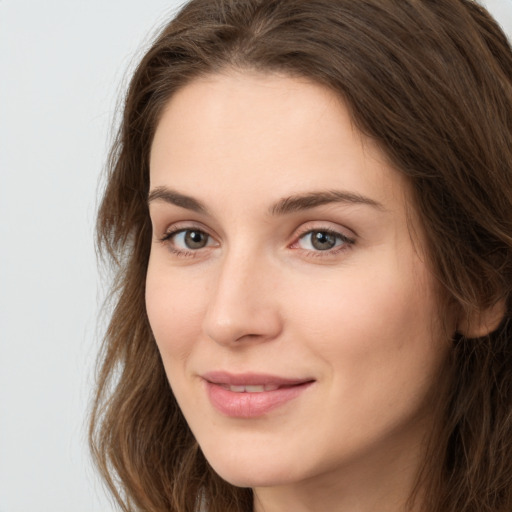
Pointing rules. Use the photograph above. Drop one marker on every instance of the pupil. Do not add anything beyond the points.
(195, 239)
(323, 241)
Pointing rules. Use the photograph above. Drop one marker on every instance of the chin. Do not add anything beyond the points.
(253, 479)
(246, 472)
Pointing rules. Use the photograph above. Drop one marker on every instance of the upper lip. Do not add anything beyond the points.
(251, 379)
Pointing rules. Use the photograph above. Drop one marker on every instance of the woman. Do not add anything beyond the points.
(309, 204)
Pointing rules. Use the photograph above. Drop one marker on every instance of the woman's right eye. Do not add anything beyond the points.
(187, 240)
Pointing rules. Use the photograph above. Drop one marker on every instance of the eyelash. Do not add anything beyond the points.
(346, 242)
(182, 253)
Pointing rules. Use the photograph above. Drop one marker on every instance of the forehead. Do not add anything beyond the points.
(277, 135)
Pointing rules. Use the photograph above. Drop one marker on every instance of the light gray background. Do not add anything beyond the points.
(63, 64)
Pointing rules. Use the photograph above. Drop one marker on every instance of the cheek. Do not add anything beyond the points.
(175, 312)
(381, 348)
(380, 322)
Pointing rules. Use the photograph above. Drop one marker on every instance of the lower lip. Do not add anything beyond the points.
(251, 405)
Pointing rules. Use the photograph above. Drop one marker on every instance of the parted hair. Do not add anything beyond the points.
(430, 81)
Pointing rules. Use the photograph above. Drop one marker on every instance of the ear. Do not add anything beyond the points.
(482, 322)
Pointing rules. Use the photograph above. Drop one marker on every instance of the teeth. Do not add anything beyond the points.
(253, 389)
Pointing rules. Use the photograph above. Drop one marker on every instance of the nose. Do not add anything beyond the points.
(243, 305)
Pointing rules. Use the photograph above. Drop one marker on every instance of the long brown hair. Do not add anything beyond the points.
(431, 82)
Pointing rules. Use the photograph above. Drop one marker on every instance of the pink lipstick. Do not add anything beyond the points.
(251, 395)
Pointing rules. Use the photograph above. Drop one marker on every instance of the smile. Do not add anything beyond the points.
(251, 395)
(251, 389)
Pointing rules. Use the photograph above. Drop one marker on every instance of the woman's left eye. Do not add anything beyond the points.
(322, 240)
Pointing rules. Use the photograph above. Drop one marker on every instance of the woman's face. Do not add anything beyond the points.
(295, 315)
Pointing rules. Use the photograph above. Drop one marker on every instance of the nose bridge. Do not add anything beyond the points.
(241, 304)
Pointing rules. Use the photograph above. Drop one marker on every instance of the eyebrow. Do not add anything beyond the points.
(310, 200)
(284, 206)
(172, 197)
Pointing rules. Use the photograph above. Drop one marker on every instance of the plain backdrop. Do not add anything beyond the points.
(63, 66)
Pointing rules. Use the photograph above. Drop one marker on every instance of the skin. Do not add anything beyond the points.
(359, 319)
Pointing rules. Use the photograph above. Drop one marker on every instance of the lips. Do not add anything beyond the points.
(251, 395)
